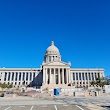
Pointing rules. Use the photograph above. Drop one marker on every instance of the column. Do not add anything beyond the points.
(88, 79)
(32, 76)
(46, 75)
(78, 79)
(75, 78)
(28, 78)
(54, 77)
(94, 76)
(18, 79)
(25, 78)
(62, 75)
(7, 78)
(91, 76)
(59, 81)
(81, 79)
(71, 78)
(50, 76)
(97, 74)
(85, 79)
(10, 77)
(14, 78)
(43, 75)
(67, 76)
(21, 78)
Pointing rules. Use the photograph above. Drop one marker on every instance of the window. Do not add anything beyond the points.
(89, 76)
(86, 77)
(76, 76)
(79, 76)
(26, 76)
(16, 76)
(19, 76)
(12, 76)
(49, 58)
(33, 75)
(92, 76)
(23, 76)
(9, 76)
(5, 76)
(73, 76)
(83, 76)
(30, 76)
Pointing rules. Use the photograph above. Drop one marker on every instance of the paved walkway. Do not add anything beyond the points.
(93, 103)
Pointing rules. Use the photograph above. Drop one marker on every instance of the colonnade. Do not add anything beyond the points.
(56, 75)
(18, 78)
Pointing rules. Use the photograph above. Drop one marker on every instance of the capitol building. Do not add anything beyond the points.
(53, 73)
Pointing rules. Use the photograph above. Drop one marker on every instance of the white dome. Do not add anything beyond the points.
(52, 49)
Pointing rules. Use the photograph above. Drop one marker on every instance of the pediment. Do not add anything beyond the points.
(56, 64)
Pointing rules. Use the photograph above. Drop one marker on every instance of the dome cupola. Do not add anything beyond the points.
(52, 53)
(52, 49)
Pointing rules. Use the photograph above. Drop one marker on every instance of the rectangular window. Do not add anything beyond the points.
(83, 76)
(23, 76)
(26, 76)
(12, 76)
(16, 76)
(19, 76)
(5, 76)
(9, 76)
(76, 76)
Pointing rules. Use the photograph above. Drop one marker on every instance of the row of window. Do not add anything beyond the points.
(19, 76)
(20, 83)
(85, 76)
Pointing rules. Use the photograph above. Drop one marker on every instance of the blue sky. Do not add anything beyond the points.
(79, 28)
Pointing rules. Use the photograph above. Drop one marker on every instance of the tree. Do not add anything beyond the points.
(100, 82)
(93, 83)
(4, 85)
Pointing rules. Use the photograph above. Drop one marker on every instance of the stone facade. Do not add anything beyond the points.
(53, 73)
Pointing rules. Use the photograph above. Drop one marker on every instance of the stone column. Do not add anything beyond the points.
(7, 78)
(28, 77)
(50, 76)
(21, 78)
(71, 78)
(32, 76)
(91, 75)
(78, 79)
(10, 77)
(18, 79)
(67, 75)
(46, 75)
(59, 81)
(62, 75)
(43, 75)
(88, 78)
(14, 78)
(94, 76)
(54, 77)
(75, 78)
(85, 78)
